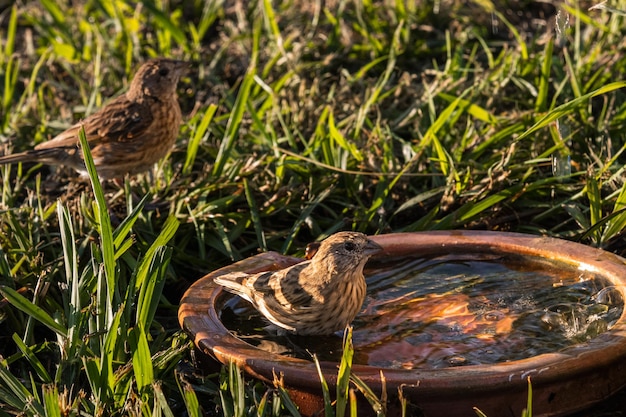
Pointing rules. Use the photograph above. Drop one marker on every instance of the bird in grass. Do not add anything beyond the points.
(315, 297)
(127, 135)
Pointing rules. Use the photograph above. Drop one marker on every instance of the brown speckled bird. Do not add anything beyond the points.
(127, 135)
(315, 297)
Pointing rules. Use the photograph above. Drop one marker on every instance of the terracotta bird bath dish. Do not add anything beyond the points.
(453, 321)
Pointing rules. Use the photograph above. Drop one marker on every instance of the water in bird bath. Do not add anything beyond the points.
(454, 310)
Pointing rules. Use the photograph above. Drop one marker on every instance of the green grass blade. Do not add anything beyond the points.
(255, 216)
(514, 31)
(236, 388)
(10, 35)
(378, 405)
(569, 107)
(328, 404)
(288, 403)
(338, 138)
(241, 102)
(160, 402)
(476, 111)
(18, 395)
(261, 406)
(285, 399)
(382, 82)
(199, 133)
(142, 361)
(528, 411)
(345, 369)
(104, 221)
(617, 221)
(571, 69)
(152, 287)
(303, 215)
(615, 224)
(475, 208)
(541, 103)
(34, 311)
(443, 118)
(232, 128)
(28, 353)
(55, 11)
(166, 23)
(192, 405)
(595, 207)
(168, 231)
(11, 73)
(51, 400)
(103, 380)
(73, 307)
(272, 23)
(92, 373)
(122, 231)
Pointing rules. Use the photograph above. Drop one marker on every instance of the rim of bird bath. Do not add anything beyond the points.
(563, 382)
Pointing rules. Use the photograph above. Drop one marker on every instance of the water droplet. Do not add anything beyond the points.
(561, 165)
(561, 21)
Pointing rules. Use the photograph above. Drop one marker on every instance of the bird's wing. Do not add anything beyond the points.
(285, 287)
(278, 290)
(119, 121)
(283, 293)
(278, 295)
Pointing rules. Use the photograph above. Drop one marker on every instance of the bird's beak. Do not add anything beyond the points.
(372, 248)
(182, 67)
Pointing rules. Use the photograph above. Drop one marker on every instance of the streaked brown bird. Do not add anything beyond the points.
(315, 297)
(127, 135)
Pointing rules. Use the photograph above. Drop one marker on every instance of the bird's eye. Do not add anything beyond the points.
(350, 246)
(163, 72)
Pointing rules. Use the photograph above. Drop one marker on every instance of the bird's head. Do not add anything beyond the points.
(347, 250)
(158, 77)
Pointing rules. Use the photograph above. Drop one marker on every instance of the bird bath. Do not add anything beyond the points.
(438, 324)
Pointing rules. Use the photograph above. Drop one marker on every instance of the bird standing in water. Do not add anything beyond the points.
(315, 297)
(129, 134)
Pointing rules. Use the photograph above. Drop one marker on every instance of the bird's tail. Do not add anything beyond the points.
(232, 282)
(46, 156)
